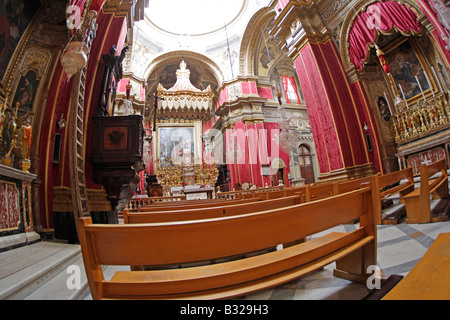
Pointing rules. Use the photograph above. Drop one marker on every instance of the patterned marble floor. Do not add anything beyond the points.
(400, 247)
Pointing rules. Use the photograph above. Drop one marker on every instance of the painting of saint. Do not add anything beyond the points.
(405, 66)
(15, 15)
(25, 93)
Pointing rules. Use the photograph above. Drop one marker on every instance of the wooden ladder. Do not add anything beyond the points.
(80, 201)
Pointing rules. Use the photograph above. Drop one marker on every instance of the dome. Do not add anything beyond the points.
(194, 17)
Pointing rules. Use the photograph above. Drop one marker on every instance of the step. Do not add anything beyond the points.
(440, 210)
(24, 270)
(57, 288)
(394, 214)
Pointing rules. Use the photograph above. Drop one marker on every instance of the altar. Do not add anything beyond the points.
(194, 192)
(181, 164)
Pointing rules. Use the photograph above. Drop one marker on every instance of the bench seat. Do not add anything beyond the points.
(235, 278)
(192, 241)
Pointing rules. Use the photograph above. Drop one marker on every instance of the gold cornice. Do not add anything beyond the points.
(301, 22)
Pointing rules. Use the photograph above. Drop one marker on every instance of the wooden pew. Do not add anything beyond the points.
(350, 185)
(181, 242)
(401, 182)
(208, 213)
(319, 191)
(197, 204)
(429, 279)
(418, 202)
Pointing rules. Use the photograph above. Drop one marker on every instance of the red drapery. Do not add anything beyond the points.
(384, 17)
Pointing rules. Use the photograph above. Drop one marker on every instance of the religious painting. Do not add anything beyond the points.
(384, 109)
(408, 71)
(25, 93)
(15, 15)
(176, 144)
(266, 59)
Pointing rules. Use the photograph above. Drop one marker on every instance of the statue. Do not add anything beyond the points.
(186, 153)
(7, 133)
(26, 138)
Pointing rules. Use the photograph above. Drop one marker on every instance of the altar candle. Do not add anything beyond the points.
(438, 80)
(423, 95)
(429, 83)
(389, 104)
(404, 98)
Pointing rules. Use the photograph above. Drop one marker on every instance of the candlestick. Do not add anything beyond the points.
(404, 97)
(429, 83)
(420, 87)
(438, 80)
(389, 104)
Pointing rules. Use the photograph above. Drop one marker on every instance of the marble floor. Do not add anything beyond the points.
(400, 247)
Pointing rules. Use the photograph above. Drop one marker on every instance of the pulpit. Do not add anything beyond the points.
(118, 145)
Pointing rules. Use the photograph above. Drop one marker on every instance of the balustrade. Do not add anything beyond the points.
(426, 117)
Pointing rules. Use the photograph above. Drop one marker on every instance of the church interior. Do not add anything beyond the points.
(253, 149)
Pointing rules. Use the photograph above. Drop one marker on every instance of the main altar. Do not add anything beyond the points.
(181, 166)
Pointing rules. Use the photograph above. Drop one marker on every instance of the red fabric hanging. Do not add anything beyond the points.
(97, 5)
(384, 17)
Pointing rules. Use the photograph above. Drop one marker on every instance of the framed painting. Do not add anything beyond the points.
(408, 68)
(174, 142)
(25, 93)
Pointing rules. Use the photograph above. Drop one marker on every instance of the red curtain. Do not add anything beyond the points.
(385, 17)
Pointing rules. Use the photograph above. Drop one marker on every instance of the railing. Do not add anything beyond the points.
(248, 193)
(145, 201)
(425, 118)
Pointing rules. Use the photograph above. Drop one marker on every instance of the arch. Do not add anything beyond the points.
(360, 7)
(202, 60)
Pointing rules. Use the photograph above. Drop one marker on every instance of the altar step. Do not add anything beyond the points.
(39, 272)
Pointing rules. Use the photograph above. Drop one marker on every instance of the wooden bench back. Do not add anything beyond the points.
(438, 185)
(195, 205)
(320, 191)
(350, 185)
(180, 242)
(390, 179)
(207, 213)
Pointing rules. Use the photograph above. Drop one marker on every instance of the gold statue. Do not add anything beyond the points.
(7, 133)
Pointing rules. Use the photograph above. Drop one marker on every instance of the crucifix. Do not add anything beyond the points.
(156, 108)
